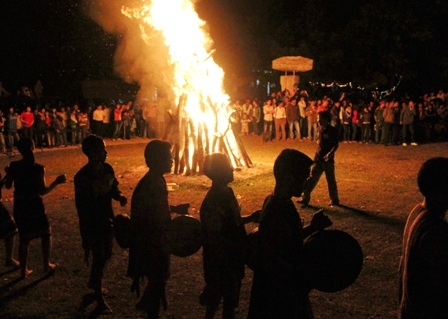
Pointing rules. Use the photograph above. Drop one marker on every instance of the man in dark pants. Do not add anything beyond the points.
(324, 160)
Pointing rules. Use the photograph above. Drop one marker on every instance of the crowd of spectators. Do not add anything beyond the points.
(60, 124)
(403, 120)
(282, 115)
(68, 125)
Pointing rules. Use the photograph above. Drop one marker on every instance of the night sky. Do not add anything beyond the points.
(357, 40)
(53, 41)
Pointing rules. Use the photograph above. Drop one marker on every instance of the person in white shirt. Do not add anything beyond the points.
(97, 117)
(268, 118)
(280, 121)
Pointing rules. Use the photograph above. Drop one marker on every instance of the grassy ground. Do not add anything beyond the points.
(377, 189)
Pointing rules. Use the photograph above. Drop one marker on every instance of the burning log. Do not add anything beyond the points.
(193, 139)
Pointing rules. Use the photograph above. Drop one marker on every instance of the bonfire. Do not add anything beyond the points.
(200, 123)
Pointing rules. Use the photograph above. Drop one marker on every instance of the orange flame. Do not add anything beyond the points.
(196, 76)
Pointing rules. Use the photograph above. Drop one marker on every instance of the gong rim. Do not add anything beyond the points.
(333, 260)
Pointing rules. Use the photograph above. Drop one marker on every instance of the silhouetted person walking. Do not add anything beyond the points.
(28, 178)
(224, 239)
(95, 187)
(149, 257)
(328, 143)
(281, 284)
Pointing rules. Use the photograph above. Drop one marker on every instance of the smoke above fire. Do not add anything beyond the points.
(135, 61)
(143, 54)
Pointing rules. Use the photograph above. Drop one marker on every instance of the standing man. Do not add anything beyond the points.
(106, 120)
(247, 107)
(118, 121)
(423, 268)
(280, 121)
(407, 116)
(74, 125)
(97, 120)
(379, 121)
(292, 117)
(256, 117)
(388, 124)
(268, 119)
(311, 115)
(324, 160)
(302, 104)
(27, 119)
(12, 131)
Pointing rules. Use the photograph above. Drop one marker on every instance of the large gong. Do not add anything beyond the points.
(333, 260)
(183, 236)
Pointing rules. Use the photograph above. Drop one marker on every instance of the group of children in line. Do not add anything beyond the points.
(280, 285)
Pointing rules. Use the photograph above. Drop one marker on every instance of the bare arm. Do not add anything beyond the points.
(46, 189)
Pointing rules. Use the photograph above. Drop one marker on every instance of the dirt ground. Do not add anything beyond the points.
(377, 187)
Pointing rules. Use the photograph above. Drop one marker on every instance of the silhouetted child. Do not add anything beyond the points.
(280, 286)
(95, 187)
(8, 230)
(149, 257)
(32, 222)
(423, 268)
(224, 239)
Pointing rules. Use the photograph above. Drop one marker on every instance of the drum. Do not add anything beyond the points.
(334, 260)
(183, 236)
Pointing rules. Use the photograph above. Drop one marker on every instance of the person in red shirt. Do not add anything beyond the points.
(118, 110)
(27, 119)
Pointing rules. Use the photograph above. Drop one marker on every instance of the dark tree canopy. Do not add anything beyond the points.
(365, 41)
